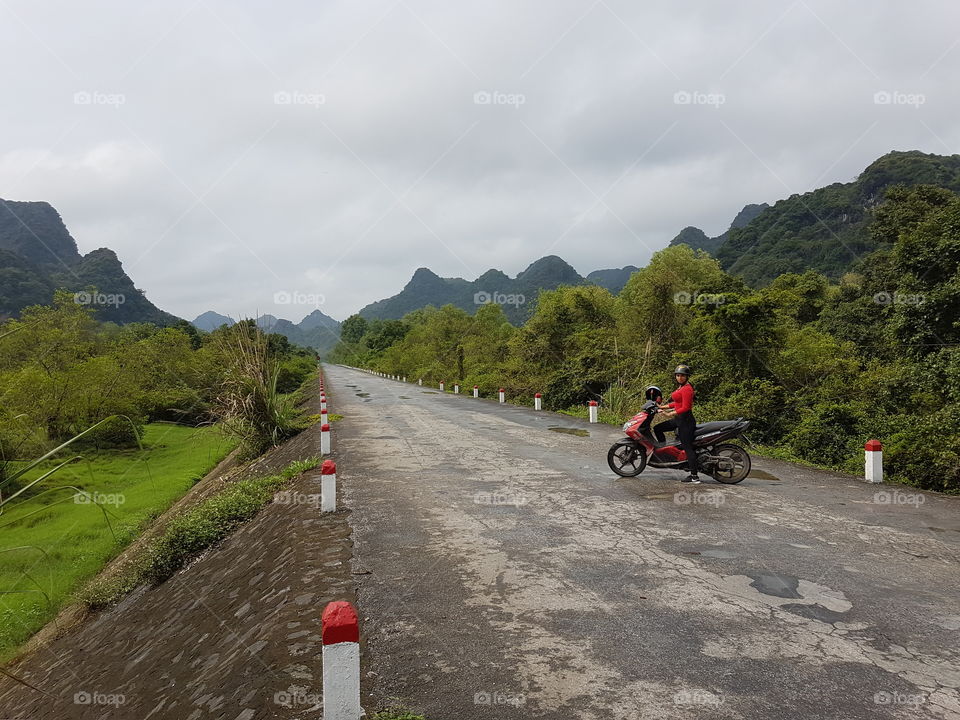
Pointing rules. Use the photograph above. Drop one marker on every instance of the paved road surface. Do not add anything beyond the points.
(511, 574)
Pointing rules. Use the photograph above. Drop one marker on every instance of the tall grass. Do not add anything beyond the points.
(248, 405)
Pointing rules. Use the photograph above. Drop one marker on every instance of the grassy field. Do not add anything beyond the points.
(50, 544)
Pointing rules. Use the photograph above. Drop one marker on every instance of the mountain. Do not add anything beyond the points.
(698, 240)
(613, 279)
(318, 331)
(211, 320)
(515, 295)
(827, 229)
(38, 256)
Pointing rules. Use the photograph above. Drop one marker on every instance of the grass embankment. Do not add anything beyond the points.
(49, 547)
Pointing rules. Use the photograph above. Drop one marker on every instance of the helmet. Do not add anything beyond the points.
(653, 393)
(682, 370)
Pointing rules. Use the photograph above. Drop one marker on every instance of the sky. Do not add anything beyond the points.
(283, 157)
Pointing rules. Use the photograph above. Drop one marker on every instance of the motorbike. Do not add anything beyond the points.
(725, 462)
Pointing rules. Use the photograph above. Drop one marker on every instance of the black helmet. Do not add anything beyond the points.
(653, 393)
(682, 370)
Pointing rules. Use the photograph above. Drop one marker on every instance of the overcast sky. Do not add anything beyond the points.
(235, 154)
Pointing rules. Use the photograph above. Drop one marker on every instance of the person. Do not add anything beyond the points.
(680, 418)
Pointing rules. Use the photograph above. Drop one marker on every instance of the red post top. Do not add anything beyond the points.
(476, 387)
(329, 467)
(593, 403)
(325, 428)
(501, 390)
(538, 395)
(324, 412)
(340, 623)
(872, 445)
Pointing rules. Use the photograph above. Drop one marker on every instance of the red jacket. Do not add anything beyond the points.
(682, 398)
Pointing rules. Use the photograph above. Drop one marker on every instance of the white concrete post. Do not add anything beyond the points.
(404, 378)
(476, 391)
(341, 662)
(503, 397)
(442, 384)
(456, 389)
(324, 439)
(420, 382)
(323, 400)
(328, 486)
(593, 411)
(538, 402)
(873, 462)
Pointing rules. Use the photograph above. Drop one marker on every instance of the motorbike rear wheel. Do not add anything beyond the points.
(737, 461)
(626, 458)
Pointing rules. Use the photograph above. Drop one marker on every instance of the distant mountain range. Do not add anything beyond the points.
(516, 296)
(317, 330)
(38, 256)
(826, 229)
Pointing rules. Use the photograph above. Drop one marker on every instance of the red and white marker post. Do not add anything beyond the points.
(593, 411)
(420, 382)
(538, 402)
(503, 397)
(328, 486)
(442, 386)
(324, 439)
(873, 462)
(323, 400)
(341, 662)
(476, 391)
(456, 389)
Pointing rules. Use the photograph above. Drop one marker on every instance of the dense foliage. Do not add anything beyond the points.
(61, 372)
(819, 365)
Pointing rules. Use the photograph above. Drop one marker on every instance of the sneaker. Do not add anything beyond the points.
(692, 479)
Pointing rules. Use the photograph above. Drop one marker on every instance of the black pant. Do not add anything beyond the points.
(686, 426)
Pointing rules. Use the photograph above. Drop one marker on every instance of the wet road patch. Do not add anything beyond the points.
(570, 431)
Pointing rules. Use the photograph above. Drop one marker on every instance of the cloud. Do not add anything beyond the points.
(228, 153)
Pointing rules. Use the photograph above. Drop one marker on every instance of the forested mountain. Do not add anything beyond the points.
(826, 229)
(317, 330)
(38, 256)
(698, 240)
(516, 296)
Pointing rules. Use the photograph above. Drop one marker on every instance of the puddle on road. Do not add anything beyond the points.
(761, 475)
(403, 397)
(784, 586)
(429, 392)
(363, 394)
(571, 431)
(814, 612)
(719, 554)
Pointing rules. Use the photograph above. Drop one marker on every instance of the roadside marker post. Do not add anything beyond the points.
(873, 462)
(442, 385)
(404, 378)
(325, 439)
(456, 389)
(503, 397)
(323, 400)
(328, 486)
(593, 411)
(538, 402)
(476, 391)
(420, 382)
(341, 662)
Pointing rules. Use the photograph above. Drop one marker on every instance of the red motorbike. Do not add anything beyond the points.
(726, 462)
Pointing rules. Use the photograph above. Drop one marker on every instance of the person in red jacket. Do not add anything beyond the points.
(680, 417)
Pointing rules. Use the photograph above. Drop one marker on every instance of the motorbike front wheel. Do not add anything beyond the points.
(734, 464)
(627, 459)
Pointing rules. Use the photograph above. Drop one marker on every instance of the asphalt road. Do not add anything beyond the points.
(504, 572)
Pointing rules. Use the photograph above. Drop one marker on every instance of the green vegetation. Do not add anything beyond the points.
(53, 541)
(194, 531)
(820, 366)
(396, 714)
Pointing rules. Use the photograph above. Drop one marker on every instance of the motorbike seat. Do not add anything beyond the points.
(703, 428)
